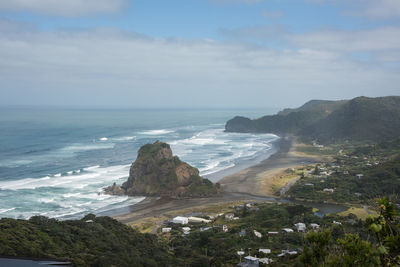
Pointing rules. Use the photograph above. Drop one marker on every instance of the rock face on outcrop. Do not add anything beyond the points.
(156, 172)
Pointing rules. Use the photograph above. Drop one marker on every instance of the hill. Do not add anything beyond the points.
(91, 241)
(287, 121)
(359, 119)
(156, 172)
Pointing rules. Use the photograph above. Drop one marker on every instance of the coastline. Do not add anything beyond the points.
(240, 186)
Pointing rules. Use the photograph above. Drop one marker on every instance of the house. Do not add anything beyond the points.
(242, 233)
(89, 221)
(314, 226)
(166, 229)
(180, 220)
(265, 250)
(265, 260)
(301, 227)
(229, 216)
(309, 184)
(329, 190)
(235, 218)
(205, 228)
(249, 261)
(287, 230)
(198, 220)
(257, 234)
(273, 233)
(337, 223)
(186, 230)
(360, 175)
(224, 228)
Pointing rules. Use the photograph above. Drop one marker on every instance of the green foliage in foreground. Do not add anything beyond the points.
(322, 250)
(103, 242)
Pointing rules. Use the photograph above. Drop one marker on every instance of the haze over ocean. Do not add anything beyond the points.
(55, 162)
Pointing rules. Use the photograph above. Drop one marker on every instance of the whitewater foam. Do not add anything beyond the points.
(156, 132)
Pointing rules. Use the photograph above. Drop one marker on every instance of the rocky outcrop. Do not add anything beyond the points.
(157, 172)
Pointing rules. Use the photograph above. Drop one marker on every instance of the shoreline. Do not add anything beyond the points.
(239, 186)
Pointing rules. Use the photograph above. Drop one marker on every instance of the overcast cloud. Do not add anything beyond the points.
(248, 66)
(103, 66)
(70, 8)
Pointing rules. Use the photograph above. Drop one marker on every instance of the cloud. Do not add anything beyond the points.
(238, 1)
(69, 8)
(382, 9)
(271, 14)
(113, 67)
(378, 41)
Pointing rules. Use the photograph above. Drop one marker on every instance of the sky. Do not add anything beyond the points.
(197, 53)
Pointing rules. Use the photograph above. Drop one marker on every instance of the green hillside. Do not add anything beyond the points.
(359, 119)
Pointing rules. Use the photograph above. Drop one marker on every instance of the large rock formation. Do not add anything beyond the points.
(156, 172)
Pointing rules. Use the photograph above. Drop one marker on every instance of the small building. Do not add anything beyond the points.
(272, 233)
(309, 184)
(287, 230)
(89, 221)
(249, 261)
(265, 250)
(224, 228)
(329, 190)
(265, 260)
(314, 226)
(301, 227)
(360, 175)
(229, 216)
(242, 233)
(186, 230)
(235, 218)
(166, 229)
(180, 220)
(198, 220)
(257, 234)
(337, 223)
(205, 228)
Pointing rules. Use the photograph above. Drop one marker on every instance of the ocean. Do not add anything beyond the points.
(54, 162)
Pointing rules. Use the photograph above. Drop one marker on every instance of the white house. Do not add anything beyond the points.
(180, 220)
(229, 216)
(329, 190)
(198, 220)
(186, 229)
(273, 233)
(287, 230)
(257, 234)
(265, 250)
(166, 230)
(265, 260)
(301, 227)
(314, 226)
(360, 175)
(224, 228)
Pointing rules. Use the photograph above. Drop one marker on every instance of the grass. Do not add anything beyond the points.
(361, 213)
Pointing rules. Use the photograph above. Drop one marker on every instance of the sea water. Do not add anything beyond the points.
(55, 162)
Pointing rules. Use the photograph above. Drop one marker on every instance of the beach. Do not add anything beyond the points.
(244, 185)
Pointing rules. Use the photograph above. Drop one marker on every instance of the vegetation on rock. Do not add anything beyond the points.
(156, 172)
